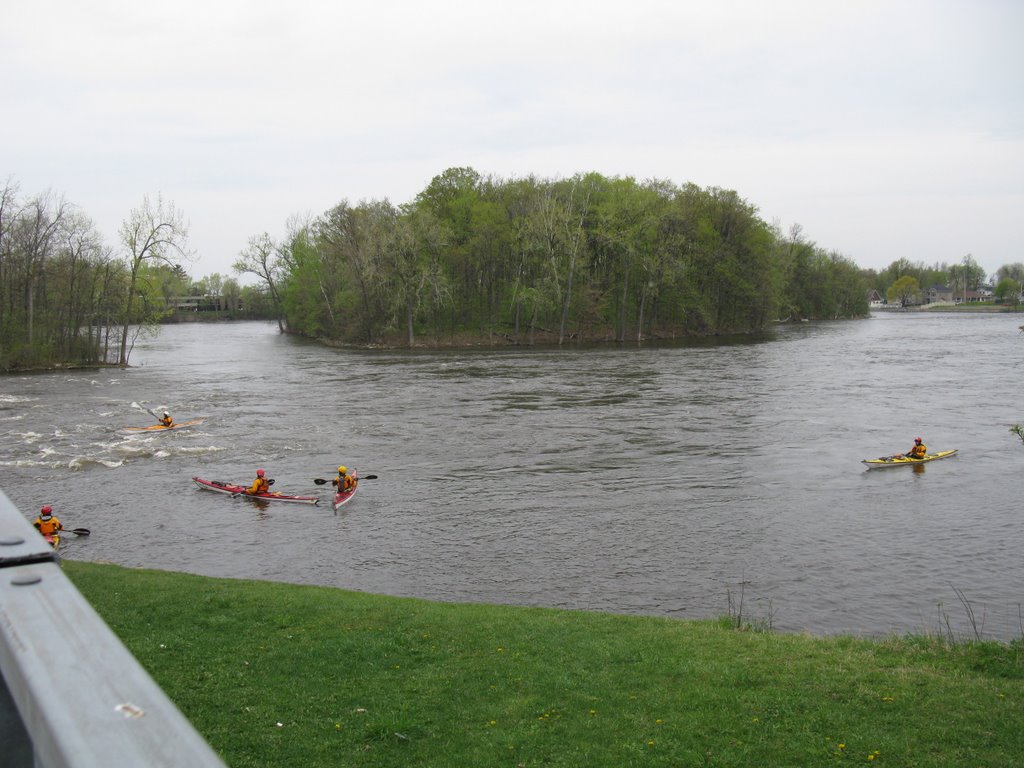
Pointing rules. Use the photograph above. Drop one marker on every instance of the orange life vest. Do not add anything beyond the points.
(48, 527)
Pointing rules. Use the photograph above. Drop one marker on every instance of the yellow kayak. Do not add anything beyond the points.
(161, 428)
(902, 461)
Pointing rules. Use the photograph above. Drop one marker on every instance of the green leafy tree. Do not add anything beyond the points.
(904, 291)
(352, 244)
(1008, 290)
(1014, 271)
(624, 229)
(966, 276)
(418, 279)
(310, 291)
(231, 292)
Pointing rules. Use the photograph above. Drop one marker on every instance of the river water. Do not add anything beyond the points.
(676, 481)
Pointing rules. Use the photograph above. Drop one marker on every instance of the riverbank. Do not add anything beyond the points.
(281, 675)
(55, 367)
(949, 307)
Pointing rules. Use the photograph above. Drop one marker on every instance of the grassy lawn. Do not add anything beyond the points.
(282, 675)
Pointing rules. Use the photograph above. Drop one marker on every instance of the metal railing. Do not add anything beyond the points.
(71, 694)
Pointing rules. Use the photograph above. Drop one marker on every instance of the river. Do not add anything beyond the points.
(674, 480)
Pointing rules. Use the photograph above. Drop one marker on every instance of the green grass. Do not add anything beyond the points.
(282, 675)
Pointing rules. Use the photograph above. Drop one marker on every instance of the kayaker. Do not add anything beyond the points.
(166, 419)
(46, 523)
(344, 481)
(259, 485)
(918, 451)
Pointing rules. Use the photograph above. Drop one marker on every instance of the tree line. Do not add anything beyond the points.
(471, 259)
(528, 260)
(67, 298)
(906, 283)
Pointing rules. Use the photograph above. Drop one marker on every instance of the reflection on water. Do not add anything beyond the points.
(651, 480)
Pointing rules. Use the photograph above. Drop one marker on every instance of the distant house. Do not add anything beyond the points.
(943, 294)
(938, 294)
(875, 298)
(972, 296)
(196, 303)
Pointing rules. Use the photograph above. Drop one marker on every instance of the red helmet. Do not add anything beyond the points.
(917, 439)
(260, 473)
(45, 510)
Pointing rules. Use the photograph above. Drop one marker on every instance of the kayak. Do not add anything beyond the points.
(53, 539)
(341, 499)
(240, 490)
(903, 461)
(155, 428)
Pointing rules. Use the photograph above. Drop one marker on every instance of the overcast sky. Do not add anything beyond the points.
(885, 129)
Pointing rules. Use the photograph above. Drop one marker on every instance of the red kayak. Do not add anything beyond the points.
(341, 499)
(240, 490)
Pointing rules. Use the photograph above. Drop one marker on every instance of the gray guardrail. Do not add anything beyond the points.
(71, 694)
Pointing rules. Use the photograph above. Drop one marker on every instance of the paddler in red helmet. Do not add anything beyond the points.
(46, 523)
(259, 485)
(918, 451)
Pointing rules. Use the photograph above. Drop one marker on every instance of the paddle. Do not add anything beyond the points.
(321, 481)
(77, 531)
(151, 411)
(144, 408)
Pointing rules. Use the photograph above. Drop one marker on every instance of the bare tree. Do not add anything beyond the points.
(39, 223)
(150, 234)
(261, 258)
